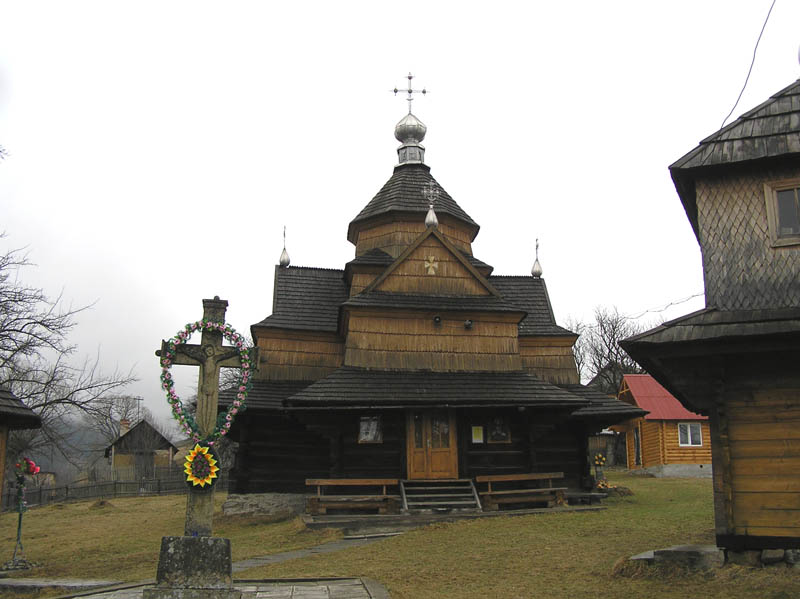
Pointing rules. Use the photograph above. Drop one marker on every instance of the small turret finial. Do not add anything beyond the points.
(431, 193)
(284, 260)
(536, 271)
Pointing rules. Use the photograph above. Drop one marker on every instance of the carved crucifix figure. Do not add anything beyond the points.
(210, 356)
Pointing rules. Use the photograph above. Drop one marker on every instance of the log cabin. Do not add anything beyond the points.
(413, 362)
(667, 441)
(738, 359)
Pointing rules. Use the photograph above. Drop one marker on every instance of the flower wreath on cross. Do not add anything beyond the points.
(184, 418)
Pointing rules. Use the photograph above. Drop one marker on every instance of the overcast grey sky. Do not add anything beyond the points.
(157, 149)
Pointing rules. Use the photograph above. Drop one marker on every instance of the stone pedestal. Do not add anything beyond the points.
(194, 568)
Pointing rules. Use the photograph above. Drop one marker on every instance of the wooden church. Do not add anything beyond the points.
(413, 362)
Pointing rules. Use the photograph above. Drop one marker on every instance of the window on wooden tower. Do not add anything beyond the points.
(783, 211)
(690, 433)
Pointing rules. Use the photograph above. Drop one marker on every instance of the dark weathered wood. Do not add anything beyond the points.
(514, 477)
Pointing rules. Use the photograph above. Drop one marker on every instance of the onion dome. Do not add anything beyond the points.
(430, 218)
(284, 261)
(410, 131)
(536, 271)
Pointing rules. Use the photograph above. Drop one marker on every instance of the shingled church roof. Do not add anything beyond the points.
(530, 295)
(770, 130)
(309, 299)
(15, 414)
(358, 387)
(403, 192)
(306, 299)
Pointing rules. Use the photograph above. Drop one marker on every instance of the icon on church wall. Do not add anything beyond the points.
(499, 431)
(370, 430)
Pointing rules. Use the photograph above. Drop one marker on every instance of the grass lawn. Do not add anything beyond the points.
(121, 540)
(568, 555)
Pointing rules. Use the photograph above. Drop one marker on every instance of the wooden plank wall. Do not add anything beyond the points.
(394, 237)
(550, 358)
(362, 279)
(675, 454)
(298, 355)
(412, 341)
(764, 444)
(652, 446)
(450, 278)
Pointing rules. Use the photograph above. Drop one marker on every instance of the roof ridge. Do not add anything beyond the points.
(321, 268)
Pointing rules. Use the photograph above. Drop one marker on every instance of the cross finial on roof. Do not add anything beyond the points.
(284, 259)
(410, 92)
(431, 192)
(536, 271)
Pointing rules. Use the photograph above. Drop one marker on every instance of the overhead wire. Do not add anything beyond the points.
(752, 62)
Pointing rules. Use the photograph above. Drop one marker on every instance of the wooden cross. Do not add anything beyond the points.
(210, 356)
(410, 92)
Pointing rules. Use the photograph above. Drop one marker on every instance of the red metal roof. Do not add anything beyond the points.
(649, 395)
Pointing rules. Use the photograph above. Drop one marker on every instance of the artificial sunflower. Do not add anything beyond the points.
(201, 466)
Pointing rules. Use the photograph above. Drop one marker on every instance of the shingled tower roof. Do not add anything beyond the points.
(768, 131)
(404, 192)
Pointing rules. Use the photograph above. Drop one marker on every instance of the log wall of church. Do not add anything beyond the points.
(277, 453)
(432, 270)
(298, 355)
(550, 358)
(538, 444)
(414, 341)
(394, 237)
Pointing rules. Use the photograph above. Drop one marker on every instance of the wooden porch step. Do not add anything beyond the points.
(433, 495)
(442, 503)
(458, 488)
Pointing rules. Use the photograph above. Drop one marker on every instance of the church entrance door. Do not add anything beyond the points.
(431, 444)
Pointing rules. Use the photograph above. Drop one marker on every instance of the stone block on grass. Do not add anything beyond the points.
(194, 568)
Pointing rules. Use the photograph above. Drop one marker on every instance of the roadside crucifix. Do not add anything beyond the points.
(206, 427)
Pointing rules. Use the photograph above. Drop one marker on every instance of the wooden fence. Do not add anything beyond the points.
(38, 496)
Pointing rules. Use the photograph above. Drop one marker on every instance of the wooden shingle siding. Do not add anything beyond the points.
(764, 444)
(394, 237)
(450, 277)
(740, 268)
(550, 358)
(298, 355)
(393, 340)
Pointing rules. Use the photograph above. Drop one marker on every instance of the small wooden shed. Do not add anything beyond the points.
(13, 415)
(669, 440)
(138, 451)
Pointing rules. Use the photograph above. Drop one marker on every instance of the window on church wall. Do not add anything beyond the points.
(370, 430)
(783, 211)
(690, 434)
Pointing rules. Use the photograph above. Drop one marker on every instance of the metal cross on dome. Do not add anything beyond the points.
(431, 192)
(410, 91)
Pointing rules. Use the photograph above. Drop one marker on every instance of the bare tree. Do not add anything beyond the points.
(598, 354)
(36, 362)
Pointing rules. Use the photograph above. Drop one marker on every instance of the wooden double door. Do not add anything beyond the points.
(431, 442)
